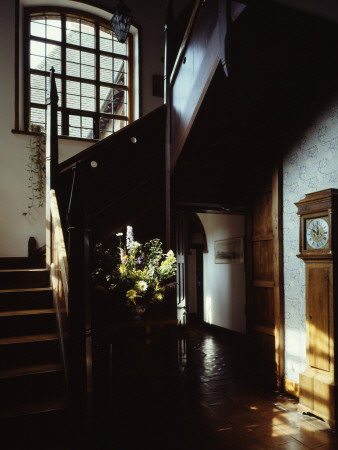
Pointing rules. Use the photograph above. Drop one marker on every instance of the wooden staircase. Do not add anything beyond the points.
(127, 181)
(32, 383)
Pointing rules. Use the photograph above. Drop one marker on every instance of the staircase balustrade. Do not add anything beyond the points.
(79, 291)
(117, 180)
(68, 275)
(121, 178)
(205, 45)
(59, 277)
(124, 175)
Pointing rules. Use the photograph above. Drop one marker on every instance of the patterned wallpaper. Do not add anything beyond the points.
(310, 165)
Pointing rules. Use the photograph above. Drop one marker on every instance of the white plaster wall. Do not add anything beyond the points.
(150, 17)
(310, 165)
(15, 228)
(224, 284)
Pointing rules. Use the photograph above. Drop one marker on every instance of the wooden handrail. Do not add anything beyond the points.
(117, 167)
(59, 278)
(59, 255)
(185, 41)
(113, 142)
(205, 45)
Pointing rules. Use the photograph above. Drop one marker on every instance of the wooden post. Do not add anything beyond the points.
(167, 72)
(52, 156)
(78, 264)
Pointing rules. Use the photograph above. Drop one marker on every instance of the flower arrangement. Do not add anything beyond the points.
(141, 273)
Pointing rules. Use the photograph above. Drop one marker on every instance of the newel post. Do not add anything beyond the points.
(52, 155)
(78, 297)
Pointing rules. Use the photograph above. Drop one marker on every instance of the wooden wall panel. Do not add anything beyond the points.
(264, 276)
(264, 307)
(264, 352)
(262, 212)
(263, 261)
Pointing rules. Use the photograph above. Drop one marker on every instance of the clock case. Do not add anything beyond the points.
(316, 205)
(318, 388)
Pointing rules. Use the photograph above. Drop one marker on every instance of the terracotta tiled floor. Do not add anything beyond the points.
(213, 408)
(236, 415)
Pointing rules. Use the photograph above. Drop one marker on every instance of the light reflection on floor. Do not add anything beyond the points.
(214, 407)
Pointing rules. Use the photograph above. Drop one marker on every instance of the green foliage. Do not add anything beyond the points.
(36, 168)
(140, 273)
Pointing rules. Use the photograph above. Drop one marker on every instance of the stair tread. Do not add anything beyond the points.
(38, 289)
(27, 312)
(33, 407)
(29, 338)
(23, 270)
(30, 370)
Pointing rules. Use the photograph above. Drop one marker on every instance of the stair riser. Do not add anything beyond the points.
(29, 353)
(15, 301)
(32, 383)
(27, 325)
(24, 279)
(31, 387)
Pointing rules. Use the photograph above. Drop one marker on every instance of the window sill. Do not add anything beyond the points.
(71, 138)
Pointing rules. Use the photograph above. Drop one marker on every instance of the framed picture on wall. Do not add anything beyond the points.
(229, 251)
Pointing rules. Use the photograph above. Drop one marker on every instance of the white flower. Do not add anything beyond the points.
(135, 245)
(129, 238)
(141, 286)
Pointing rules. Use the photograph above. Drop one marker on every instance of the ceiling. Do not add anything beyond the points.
(326, 9)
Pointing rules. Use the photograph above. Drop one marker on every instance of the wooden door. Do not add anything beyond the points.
(182, 290)
(264, 319)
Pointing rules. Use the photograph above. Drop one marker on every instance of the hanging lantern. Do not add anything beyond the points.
(120, 22)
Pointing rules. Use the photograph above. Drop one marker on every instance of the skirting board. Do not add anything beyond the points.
(291, 387)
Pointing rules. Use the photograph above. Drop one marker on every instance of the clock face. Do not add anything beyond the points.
(317, 233)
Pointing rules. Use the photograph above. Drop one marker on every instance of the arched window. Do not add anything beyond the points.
(92, 70)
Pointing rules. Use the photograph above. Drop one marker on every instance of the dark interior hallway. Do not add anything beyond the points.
(214, 406)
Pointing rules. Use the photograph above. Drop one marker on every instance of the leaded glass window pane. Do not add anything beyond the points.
(84, 63)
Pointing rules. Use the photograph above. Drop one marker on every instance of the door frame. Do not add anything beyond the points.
(278, 281)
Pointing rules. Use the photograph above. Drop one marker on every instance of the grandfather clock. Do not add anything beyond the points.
(318, 248)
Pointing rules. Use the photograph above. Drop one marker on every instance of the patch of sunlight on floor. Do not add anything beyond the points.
(276, 432)
(208, 309)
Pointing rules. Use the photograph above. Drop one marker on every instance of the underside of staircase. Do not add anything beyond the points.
(32, 382)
